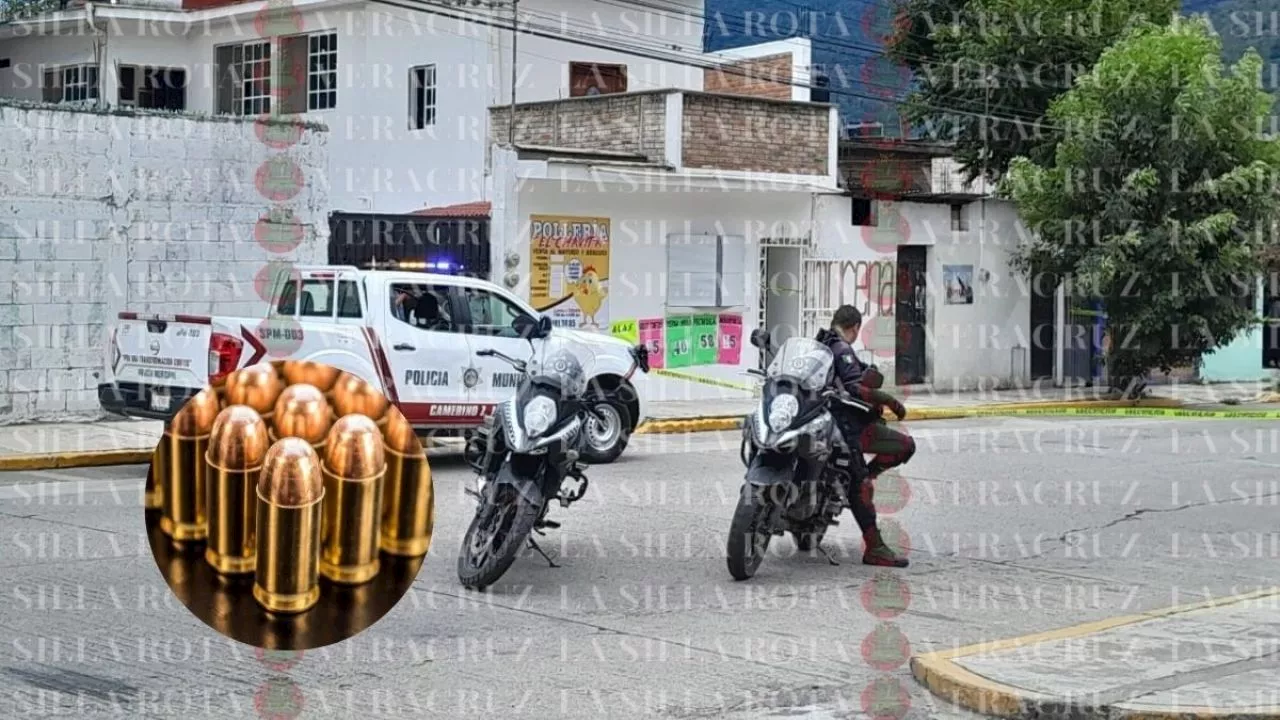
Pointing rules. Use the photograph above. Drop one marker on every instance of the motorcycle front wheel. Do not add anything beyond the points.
(495, 537)
(749, 533)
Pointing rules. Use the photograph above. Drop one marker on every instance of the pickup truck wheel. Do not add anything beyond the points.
(606, 440)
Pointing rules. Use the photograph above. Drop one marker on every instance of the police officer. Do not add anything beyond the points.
(890, 447)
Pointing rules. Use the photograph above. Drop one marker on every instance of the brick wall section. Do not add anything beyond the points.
(632, 123)
(105, 211)
(768, 77)
(750, 135)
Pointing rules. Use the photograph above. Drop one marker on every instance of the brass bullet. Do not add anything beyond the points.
(353, 396)
(257, 386)
(180, 472)
(153, 499)
(302, 412)
(407, 502)
(354, 465)
(237, 447)
(305, 372)
(290, 497)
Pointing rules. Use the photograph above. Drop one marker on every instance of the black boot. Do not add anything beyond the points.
(878, 553)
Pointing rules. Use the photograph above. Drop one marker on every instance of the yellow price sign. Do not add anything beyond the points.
(628, 330)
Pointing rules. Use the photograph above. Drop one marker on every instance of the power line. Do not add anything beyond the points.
(530, 29)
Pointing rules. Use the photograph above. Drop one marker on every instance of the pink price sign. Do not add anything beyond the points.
(652, 334)
(730, 340)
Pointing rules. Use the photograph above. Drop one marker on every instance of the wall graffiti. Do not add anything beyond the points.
(866, 285)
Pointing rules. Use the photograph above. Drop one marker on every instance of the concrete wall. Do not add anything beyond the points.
(781, 69)
(968, 345)
(100, 212)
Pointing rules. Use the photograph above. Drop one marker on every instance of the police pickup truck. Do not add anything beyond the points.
(413, 335)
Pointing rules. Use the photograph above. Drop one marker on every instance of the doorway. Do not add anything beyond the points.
(912, 315)
(780, 292)
(1044, 341)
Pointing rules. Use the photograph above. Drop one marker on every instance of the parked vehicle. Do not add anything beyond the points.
(797, 461)
(415, 336)
(527, 456)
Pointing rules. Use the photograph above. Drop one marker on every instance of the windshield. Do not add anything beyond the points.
(568, 362)
(809, 362)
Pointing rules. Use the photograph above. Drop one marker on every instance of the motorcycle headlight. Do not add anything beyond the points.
(782, 412)
(538, 415)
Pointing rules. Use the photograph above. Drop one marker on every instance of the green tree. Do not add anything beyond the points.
(1006, 60)
(1159, 197)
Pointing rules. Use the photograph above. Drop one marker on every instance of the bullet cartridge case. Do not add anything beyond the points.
(353, 396)
(354, 467)
(153, 498)
(257, 386)
(304, 372)
(302, 412)
(407, 502)
(290, 499)
(237, 448)
(180, 471)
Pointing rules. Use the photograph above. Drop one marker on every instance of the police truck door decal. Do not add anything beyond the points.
(426, 378)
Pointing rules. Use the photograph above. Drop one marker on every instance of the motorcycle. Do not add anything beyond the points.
(797, 462)
(527, 455)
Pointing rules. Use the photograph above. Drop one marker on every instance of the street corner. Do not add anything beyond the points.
(1086, 671)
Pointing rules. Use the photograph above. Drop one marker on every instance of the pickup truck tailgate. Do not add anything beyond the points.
(167, 351)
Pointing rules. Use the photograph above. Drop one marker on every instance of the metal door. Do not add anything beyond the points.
(912, 315)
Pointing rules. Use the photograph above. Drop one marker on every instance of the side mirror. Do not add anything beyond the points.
(760, 338)
(544, 326)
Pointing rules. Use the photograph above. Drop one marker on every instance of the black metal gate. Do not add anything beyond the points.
(1044, 311)
(454, 246)
(911, 319)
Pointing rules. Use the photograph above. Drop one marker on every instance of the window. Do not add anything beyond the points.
(426, 307)
(422, 96)
(493, 314)
(348, 299)
(288, 303)
(153, 88)
(864, 212)
(308, 73)
(73, 83)
(596, 79)
(244, 78)
(959, 219)
(706, 271)
(317, 298)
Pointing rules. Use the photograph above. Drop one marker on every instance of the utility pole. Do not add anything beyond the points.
(515, 39)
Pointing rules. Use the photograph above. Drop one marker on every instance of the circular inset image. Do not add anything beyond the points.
(289, 507)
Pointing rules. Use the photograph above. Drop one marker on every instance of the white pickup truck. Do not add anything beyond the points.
(413, 335)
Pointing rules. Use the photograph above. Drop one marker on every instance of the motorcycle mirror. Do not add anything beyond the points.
(544, 326)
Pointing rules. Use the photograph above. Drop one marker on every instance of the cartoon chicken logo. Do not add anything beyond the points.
(590, 295)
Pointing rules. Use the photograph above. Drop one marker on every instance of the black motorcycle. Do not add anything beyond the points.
(525, 456)
(797, 461)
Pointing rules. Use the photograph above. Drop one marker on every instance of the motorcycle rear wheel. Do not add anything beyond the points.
(749, 534)
(495, 537)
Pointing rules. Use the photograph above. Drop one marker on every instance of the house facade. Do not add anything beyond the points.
(404, 92)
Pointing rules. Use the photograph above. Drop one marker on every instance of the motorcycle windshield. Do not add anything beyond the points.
(565, 362)
(808, 362)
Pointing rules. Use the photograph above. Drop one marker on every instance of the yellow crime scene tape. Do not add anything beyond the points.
(745, 387)
(1113, 411)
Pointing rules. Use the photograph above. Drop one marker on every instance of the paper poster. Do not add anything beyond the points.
(730, 345)
(705, 336)
(958, 281)
(626, 330)
(569, 259)
(652, 336)
(679, 342)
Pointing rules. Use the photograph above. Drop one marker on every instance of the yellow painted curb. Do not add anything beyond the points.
(947, 679)
(50, 461)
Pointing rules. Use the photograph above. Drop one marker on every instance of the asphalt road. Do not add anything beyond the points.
(1015, 525)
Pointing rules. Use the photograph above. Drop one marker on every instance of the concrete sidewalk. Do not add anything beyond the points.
(112, 442)
(1218, 659)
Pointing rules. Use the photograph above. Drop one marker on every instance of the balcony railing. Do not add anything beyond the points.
(682, 129)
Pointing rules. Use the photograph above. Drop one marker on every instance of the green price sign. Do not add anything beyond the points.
(679, 342)
(705, 349)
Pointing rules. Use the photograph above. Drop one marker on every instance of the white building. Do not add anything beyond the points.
(404, 92)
